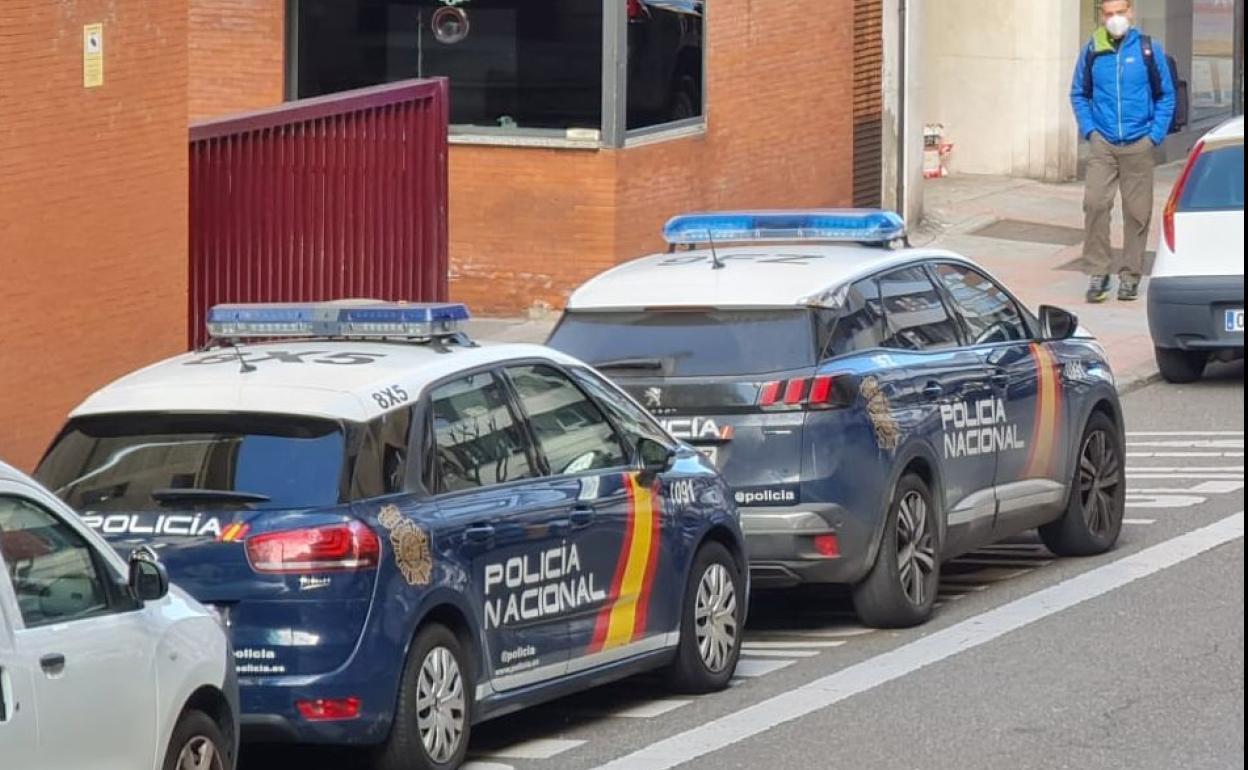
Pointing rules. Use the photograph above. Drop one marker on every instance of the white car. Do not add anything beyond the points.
(1196, 295)
(103, 666)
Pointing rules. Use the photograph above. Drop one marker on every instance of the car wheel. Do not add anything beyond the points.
(433, 718)
(710, 627)
(1180, 366)
(900, 589)
(1093, 516)
(197, 744)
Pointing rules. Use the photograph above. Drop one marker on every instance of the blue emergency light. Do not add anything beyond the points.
(856, 225)
(337, 319)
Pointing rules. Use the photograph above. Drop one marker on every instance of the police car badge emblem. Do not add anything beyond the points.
(411, 546)
(887, 431)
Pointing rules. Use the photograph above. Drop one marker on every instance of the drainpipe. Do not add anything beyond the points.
(903, 96)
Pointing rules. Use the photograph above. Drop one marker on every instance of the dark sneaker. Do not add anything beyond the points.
(1098, 288)
(1129, 289)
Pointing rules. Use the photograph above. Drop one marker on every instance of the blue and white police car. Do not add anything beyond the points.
(876, 408)
(405, 532)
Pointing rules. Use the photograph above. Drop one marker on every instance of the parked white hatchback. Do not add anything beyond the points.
(1196, 295)
(103, 665)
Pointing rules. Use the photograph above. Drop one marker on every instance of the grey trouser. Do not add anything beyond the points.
(1128, 167)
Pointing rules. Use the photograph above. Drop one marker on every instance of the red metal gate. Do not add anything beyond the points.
(327, 198)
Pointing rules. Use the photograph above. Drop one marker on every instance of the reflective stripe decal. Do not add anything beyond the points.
(623, 619)
(1046, 429)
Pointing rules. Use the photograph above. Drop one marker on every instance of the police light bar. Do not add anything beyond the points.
(857, 225)
(337, 319)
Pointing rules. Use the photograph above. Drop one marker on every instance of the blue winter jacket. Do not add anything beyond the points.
(1122, 108)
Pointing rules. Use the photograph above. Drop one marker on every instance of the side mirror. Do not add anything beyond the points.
(1057, 324)
(149, 580)
(656, 458)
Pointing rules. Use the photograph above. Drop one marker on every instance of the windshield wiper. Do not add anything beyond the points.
(223, 495)
(629, 363)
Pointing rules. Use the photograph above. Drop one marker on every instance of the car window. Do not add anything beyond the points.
(381, 464)
(915, 317)
(570, 429)
(858, 324)
(633, 421)
(53, 570)
(689, 343)
(477, 439)
(1216, 182)
(990, 315)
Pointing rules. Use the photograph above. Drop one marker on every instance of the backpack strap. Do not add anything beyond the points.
(1154, 74)
(1089, 55)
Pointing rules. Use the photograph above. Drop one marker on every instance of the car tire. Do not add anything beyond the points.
(1180, 366)
(197, 742)
(437, 665)
(1093, 516)
(711, 623)
(900, 589)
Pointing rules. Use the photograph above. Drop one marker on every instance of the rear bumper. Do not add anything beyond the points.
(1189, 312)
(269, 714)
(780, 543)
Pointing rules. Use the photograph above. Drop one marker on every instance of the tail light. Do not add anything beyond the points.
(329, 709)
(336, 547)
(1172, 203)
(825, 391)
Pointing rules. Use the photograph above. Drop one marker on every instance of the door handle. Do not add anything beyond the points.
(479, 533)
(933, 389)
(52, 663)
(581, 517)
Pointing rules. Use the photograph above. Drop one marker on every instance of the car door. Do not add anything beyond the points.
(615, 522)
(85, 643)
(508, 522)
(1027, 414)
(19, 719)
(946, 395)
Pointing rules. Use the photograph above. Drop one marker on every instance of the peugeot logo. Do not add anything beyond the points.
(653, 398)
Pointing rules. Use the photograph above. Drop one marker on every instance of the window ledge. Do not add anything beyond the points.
(589, 140)
(643, 136)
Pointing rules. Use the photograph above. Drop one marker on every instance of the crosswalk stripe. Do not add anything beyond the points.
(535, 748)
(748, 669)
(473, 764)
(646, 710)
(1139, 521)
(1172, 455)
(825, 632)
(1185, 433)
(779, 653)
(765, 645)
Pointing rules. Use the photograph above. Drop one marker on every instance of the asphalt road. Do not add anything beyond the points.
(1133, 659)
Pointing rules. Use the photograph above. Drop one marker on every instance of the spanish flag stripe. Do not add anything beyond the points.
(624, 612)
(603, 622)
(1047, 411)
(652, 563)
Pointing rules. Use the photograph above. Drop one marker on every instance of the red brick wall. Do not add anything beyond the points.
(92, 206)
(236, 55)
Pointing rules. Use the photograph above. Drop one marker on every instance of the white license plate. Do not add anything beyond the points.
(711, 453)
(1235, 321)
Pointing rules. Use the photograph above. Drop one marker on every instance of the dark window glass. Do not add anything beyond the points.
(53, 570)
(989, 313)
(116, 462)
(573, 433)
(689, 343)
(478, 440)
(511, 63)
(915, 318)
(381, 464)
(858, 325)
(630, 418)
(1216, 182)
(664, 61)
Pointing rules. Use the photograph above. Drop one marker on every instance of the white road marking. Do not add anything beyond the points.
(1157, 455)
(1162, 476)
(646, 710)
(537, 748)
(1203, 488)
(763, 645)
(475, 765)
(1162, 501)
(1185, 468)
(1185, 433)
(779, 653)
(826, 632)
(1139, 521)
(938, 646)
(748, 669)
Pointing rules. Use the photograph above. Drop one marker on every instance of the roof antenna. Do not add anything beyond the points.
(716, 263)
(243, 366)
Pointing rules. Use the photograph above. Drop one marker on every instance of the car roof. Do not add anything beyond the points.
(755, 276)
(1228, 131)
(318, 386)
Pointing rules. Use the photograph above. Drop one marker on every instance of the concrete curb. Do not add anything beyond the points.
(1132, 383)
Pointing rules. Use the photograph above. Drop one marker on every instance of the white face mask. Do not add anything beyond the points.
(1118, 25)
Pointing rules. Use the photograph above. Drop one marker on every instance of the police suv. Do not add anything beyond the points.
(406, 532)
(876, 408)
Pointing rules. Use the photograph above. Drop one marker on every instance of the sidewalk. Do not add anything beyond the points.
(1027, 233)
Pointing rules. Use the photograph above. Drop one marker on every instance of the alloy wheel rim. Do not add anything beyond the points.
(715, 618)
(916, 547)
(440, 705)
(199, 753)
(1099, 479)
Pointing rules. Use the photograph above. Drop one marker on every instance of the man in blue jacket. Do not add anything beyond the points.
(1124, 100)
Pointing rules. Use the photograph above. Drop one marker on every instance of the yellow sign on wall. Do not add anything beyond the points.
(92, 55)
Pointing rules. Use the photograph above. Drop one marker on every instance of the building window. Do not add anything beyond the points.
(1213, 57)
(515, 67)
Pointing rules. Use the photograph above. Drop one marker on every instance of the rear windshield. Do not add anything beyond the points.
(116, 462)
(1216, 182)
(689, 343)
